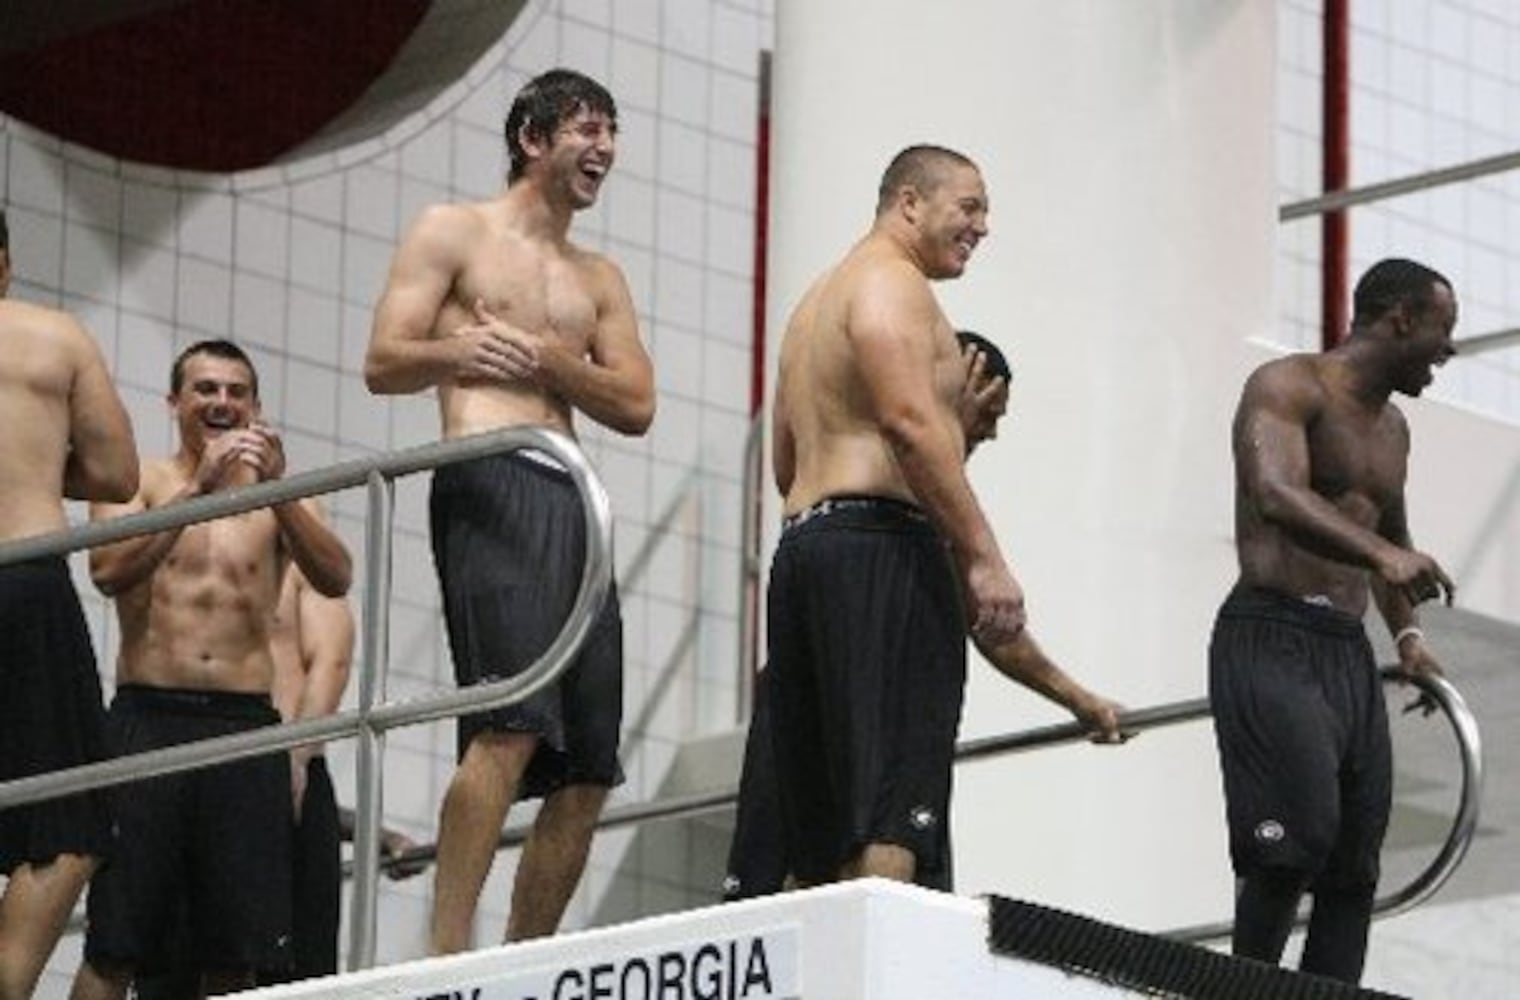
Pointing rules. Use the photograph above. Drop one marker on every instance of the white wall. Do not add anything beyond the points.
(1128, 151)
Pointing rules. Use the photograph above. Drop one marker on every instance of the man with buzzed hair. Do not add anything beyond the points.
(491, 304)
(1321, 457)
(195, 606)
(885, 558)
(757, 863)
(66, 435)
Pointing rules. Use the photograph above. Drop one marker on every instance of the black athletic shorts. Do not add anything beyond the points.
(51, 715)
(757, 863)
(1303, 738)
(867, 652)
(509, 544)
(316, 887)
(210, 846)
(317, 878)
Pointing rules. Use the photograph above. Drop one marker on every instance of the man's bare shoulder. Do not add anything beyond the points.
(160, 479)
(601, 270)
(1294, 380)
(449, 223)
(31, 333)
(30, 319)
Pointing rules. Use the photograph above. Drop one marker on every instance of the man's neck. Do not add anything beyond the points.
(534, 214)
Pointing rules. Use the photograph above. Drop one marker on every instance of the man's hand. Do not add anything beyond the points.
(1416, 660)
(1100, 717)
(263, 451)
(994, 603)
(1416, 576)
(491, 349)
(395, 845)
(224, 455)
(298, 759)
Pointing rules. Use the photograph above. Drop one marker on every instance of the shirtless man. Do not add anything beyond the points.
(66, 435)
(1321, 455)
(194, 606)
(757, 864)
(514, 325)
(885, 558)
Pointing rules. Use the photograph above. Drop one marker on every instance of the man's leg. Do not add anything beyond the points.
(1337, 941)
(93, 982)
(553, 859)
(33, 912)
(891, 861)
(1264, 912)
(469, 828)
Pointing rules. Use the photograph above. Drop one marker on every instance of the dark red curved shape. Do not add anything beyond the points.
(214, 85)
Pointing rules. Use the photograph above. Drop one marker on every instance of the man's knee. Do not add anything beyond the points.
(499, 756)
(891, 861)
(574, 807)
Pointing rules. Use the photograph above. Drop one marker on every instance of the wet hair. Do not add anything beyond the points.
(996, 364)
(544, 104)
(224, 349)
(1391, 283)
(921, 166)
(5, 232)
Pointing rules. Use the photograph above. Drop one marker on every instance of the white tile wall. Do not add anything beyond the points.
(1434, 84)
(288, 260)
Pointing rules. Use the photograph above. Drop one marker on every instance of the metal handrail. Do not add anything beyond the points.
(366, 723)
(1333, 201)
(1421, 888)
(750, 566)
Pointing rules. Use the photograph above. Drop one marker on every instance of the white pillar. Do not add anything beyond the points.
(1127, 147)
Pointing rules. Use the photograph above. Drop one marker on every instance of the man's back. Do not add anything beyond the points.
(65, 430)
(829, 396)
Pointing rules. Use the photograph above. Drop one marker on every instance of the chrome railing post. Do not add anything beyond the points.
(752, 510)
(371, 742)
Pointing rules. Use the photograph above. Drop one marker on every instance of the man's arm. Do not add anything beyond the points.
(1272, 453)
(325, 627)
(324, 630)
(612, 383)
(404, 355)
(1023, 661)
(120, 566)
(102, 462)
(891, 327)
(316, 548)
(1399, 614)
(783, 442)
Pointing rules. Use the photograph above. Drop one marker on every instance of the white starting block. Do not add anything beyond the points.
(865, 940)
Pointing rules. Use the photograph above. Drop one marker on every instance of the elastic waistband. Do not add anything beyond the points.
(240, 704)
(532, 460)
(1304, 611)
(542, 458)
(891, 507)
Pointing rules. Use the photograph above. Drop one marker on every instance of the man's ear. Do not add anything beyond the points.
(532, 146)
(909, 199)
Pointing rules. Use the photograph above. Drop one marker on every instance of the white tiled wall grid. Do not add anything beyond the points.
(1433, 84)
(289, 261)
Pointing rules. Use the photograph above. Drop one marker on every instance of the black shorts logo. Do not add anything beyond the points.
(1270, 831)
(922, 817)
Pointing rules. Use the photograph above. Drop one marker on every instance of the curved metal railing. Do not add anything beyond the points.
(372, 718)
